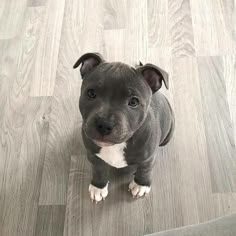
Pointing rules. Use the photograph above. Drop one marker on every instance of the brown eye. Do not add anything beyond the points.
(91, 93)
(133, 102)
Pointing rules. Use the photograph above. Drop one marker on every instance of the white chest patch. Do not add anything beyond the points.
(113, 155)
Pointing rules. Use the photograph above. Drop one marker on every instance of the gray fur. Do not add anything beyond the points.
(143, 129)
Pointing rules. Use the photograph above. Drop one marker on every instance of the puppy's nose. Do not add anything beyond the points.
(103, 126)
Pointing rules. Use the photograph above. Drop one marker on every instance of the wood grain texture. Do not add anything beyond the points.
(180, 28)
(23, 138)
(11, 18)
(36, 3)
(83, 31)
(191, 149)
(157, 14)
(115, 14)
(136, 32)
(50, 221)
(229, 63)
(219, 131)
(23, 147)
(225, 203)
(44, 173)
(167, 211)
(111, 38)
(49, 22)
(189, 113)
(8, 69)
(214, 27)
(60, 144)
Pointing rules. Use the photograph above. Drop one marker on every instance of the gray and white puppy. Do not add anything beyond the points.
(125, 120)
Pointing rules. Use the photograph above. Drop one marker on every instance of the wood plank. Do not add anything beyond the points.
(9, 55)
(50, 221)
(23, 146)
(188, 110)
(79, 178)
(83, 28)
(49, 22)
(180, 28)
(43, 160)
(111, 38)
(159, 7)
(226, 203)
(11, 18)
(19, 128)
(18, 54)
(115, 14)
(218, 125)
(190, 141)
(157, 14)
(229, 63)
(166, 206)
(158, 34)
(36, 3)
(214, 27)
(59, 147)
(136, 32)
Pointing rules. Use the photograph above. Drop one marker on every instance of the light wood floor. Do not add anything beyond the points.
(44, 174)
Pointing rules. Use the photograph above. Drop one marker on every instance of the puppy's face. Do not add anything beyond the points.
(113, 103)
(114, 100)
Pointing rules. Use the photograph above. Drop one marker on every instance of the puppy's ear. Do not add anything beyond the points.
(154, 76)
(89, 62)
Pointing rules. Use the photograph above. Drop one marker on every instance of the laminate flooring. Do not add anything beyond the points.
(44, 173)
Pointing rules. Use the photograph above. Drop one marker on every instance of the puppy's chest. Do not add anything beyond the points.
(113, 155)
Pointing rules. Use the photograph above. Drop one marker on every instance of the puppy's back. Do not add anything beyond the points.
(163, 111)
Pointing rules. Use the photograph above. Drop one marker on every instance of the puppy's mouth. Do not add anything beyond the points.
(102, 141)
(102, 144)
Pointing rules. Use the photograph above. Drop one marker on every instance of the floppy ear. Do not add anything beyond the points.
(154, 76)
(89, 62)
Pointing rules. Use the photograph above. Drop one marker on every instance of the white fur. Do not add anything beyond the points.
(97, 194)
(139, 190)
(113, 155)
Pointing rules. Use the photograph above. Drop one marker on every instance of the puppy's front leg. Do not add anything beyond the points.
(98, 189)
(141, 185)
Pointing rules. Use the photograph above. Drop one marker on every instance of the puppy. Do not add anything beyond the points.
(125, 120)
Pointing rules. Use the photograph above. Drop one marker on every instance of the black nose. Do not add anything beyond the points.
(103, 127)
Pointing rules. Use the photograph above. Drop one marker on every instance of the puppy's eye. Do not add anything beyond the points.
(91, 93)
(133, 102)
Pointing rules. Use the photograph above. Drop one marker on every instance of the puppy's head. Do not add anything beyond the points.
(115, 97)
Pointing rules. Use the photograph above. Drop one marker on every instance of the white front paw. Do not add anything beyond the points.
(138, 190)
(97, 194)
